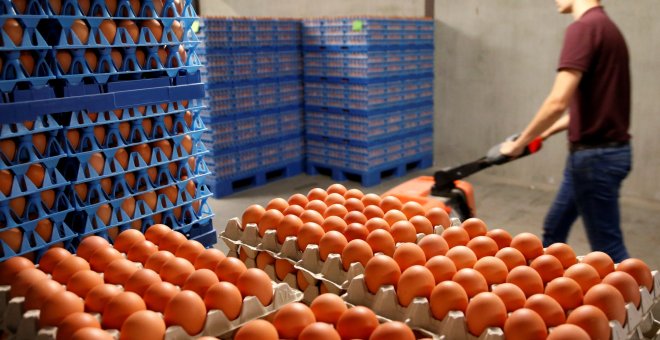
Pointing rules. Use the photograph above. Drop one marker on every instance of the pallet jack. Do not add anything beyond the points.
(446, 189)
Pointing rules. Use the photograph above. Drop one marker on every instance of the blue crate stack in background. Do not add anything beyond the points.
(100, 123)
(368, 96)
(255, 100)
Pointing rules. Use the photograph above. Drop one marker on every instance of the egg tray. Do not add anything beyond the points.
(70, 8)
(21, 185)
(27, 154)
(15, 74)
(33, 8)
(35, 209)
(32, 38)
(45, 123)
(418, 314)
(33, 242)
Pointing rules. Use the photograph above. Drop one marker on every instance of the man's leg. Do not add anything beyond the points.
(562, 213)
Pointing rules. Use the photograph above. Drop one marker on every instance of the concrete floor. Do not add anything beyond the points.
(500, 204)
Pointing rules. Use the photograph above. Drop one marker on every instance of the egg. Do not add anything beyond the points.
(75, 322)
(371, 199)
(283, 268)
(144, 151)
(101, 258)
(225, 297)
(312, 216)
(24, 280)
(159, 294)
(456, 236)
(27, 61)
(381, 241)
(638, 270)
(172, 241)
(257, 329)
(626, 285)
(403, 231)
(84, 6)
(8, 148)
(64, 269)
(511, 257)
(328, 308)
(39, 292)
(119, 271)
(483, 311)
(441, 267)
(462, 256)
(319, 330)
(40, 140)
(14, 31)
(475, 227)
(124, 130)
(566, 291)
(357, 323)
(176, 271)
(292, 318)
(127, 239)
(289, 226)
(97, 162)
(144, 324)
(332, 242)
(525, 324)
(585, 275)
(512, 296)
(447, 296)
(548, 266)
(141, 251)
(390, 203)
(156, 232)
(471, 280)
(141, 280)
(301, 281)
(317, 206)
(310, 233)
(600, 261)
(298, 199)
(381, 270)
(335, 210)
(317, 194)
(155, 27)
(190, 250)
(165, 147)
(187, 310)
(592, 320)
(354, 204)
(45, 227)
(335, 198)
(483, 246)
(58, 306)
(493, 269)
(409, 254)
(528, 244)
(230, 269)
(82, 282)
(91, 333)
(548, 308)
(120, 307)
(373, 211)
(200, 281)
(81, 31)
(356, 231)
(355, 217)
(255, 282)
(568, 332)
(270, 220)
(51, 258)
(98, 297)
(12, 237)
(438, 217)
(394, 216)
(609, 300)
(6, 182)
(356, 251)
(20, 6)
(377, 223)
(336, 188)
(209, 259)
(527, 279)
(415, 281)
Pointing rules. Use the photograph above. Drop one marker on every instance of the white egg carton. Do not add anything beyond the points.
(331, 270)
(234, 237)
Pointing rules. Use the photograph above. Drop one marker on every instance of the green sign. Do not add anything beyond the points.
(357, 25)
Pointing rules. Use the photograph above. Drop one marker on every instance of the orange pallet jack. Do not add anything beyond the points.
(446, 189)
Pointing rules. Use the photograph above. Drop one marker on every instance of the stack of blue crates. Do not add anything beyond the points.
(255, 99)
(368, 96)
(104, 105)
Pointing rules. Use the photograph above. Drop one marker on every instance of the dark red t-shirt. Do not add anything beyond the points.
(600, 109)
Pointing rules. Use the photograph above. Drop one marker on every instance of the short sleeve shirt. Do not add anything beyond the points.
(600, 109)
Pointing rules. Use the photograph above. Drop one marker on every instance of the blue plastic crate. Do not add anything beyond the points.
(258, 177)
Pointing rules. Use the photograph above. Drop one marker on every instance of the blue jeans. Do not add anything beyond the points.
(590, 189)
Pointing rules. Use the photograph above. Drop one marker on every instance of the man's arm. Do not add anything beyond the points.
(559, 126)
(554, 105)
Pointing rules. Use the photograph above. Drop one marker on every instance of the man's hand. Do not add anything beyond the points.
(511, 149)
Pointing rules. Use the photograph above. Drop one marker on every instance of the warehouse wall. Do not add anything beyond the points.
(495, 63)
(311, 8)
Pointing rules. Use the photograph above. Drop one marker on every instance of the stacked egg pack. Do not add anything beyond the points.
(157, 284)
(455, 279)
(368, 96)
(255, 95)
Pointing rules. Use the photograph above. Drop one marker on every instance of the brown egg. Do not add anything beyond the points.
(527, 279)
(548, 267)
(91, 244)
(501, 237)
(11, 267)
(143, 325)
(356, 251)
(585, 275)
(319, 330)
(475, 227)
(81, 191)
(471, 280)
(356, 231)
(403, 231)
(415, 281)
(190, 250)
(462, 256)
(20, 6)
(101, 258)
(64, 269)
(377, 223)
(335, 198)
(155, 27)
(331, 242)
(83, 281)
(394, 216)
(156, 232)
(568, 332)
(176, 271)
(483, 246)
(165, 146)
(119, 271)
(159, 294)
(17, 205)
(441, 267)
(511, 257)
(127, 239)
(58, 306)
(75, 322)
(27, 61)
(52, 257)
(289, 226)
(269, 221)
(392, 330)
(422, 225)
(298, 199)
(131, 28)
(566, 291)
(81, 30)
(525, 324)
(626, 285)
(336, 189)
(310, 233)
(172, 241)
(456, 236)
(6, 182)
(109, 30)
(200, 281)
(317, 194)
(512, 296)
(255, 282)
(226, 297)
(84, 6)
(483, 311)
(609, 300)
(98, 297)
(210, 258)
(48, 198)
(312, 216)
(600, 261)
(264, 259)
(187, 144)
(292, 318)
(24, 280)
(257, 329)
(438, 217)
(230, 269)
(592, 320)
(357, 323)
(39, 140)
(39, 292)
(528, 244)
(120, 307)
(381, 270)
(92, 61)
(328, 308)
(381, 241)
(91, 333)
(317, 206)
(8, 148)
(390, 203)
(638, 270)
(371, 199)
(355, 217)
(409, 254)
(301, 281)
(563, 252)
(447, 296)
(97, 162)
(14, 31)
(548, 308)
(141, 280)
(336, 210)
(373, 211)
(125, 130)
(283, 268)
(354, 204)
(493, 269)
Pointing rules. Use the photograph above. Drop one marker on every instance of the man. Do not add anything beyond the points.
(593, 79)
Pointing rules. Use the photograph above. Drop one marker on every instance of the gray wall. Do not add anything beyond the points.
(495, 63)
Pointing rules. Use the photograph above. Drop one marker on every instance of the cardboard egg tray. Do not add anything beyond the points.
(641, 323)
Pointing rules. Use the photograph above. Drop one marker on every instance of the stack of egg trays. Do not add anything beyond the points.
(41, 223)
(30, 47)
(238, 33)
(106, 70)
(189, 167)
